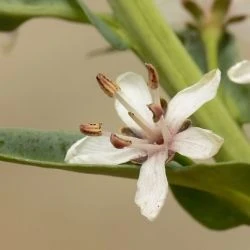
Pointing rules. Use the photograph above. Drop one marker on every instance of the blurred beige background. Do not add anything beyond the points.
(48, 82)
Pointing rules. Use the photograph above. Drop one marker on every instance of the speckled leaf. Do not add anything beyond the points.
(218, 196)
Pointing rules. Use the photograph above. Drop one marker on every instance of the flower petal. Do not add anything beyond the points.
(187, 101)
(197, 143)
(134, 89)
(152, 185)
(99, 150)
(240, 72)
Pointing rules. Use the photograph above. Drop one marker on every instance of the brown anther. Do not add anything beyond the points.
(119, 142)
(91, 129)
(186, 124)
(164, 105)
(128, 132)
(108, 86)
(156, 110)
(153, 78)
(131, 114)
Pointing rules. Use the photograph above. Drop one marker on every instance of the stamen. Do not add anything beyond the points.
(119, 142)
(156, 110)
(91, 129)
(153, 83)
(128, 132)
(150, 148)
(164, 105)
(134, 139)
(108, 86)
(164, 130)
(149, 132)
(124, 100)
(153, 78)
(186, 124)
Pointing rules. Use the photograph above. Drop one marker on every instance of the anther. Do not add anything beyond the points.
(153, 78)
(119, 142)
(164, 105)
(186, 124)
(91, 129)
(128, 132)
(156, 110)
(108, 86)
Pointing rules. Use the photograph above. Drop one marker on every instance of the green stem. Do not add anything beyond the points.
(154, 41)
(211, 38)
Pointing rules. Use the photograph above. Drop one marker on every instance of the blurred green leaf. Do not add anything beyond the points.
(217, 202)
(13, 13)
(191, 40)
(236, 97)
(112, 35)
(217, 195)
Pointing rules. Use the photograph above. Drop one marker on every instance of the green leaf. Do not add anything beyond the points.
(210, 210)
(218, 196)
(194, 9)
(13, 13)
(48, 149)
(109, 32)
(191, 40)
(236, 97)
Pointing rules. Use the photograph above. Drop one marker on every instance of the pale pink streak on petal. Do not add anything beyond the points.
(152, 185)
(99, 150)
(197, 143)
(187, 101)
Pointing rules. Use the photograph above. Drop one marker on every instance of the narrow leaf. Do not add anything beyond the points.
(209, 209)
(111, 35)
(193, 8)
(218, 195)
(14, 13)
(47, 149)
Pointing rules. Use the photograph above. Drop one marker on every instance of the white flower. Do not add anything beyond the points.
(240, 72)
(154, 132)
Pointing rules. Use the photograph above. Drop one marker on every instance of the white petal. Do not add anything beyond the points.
(240, 72)
(135, 90)
(197, 143)
(187, 101)
(99, 150)
(152, 185)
